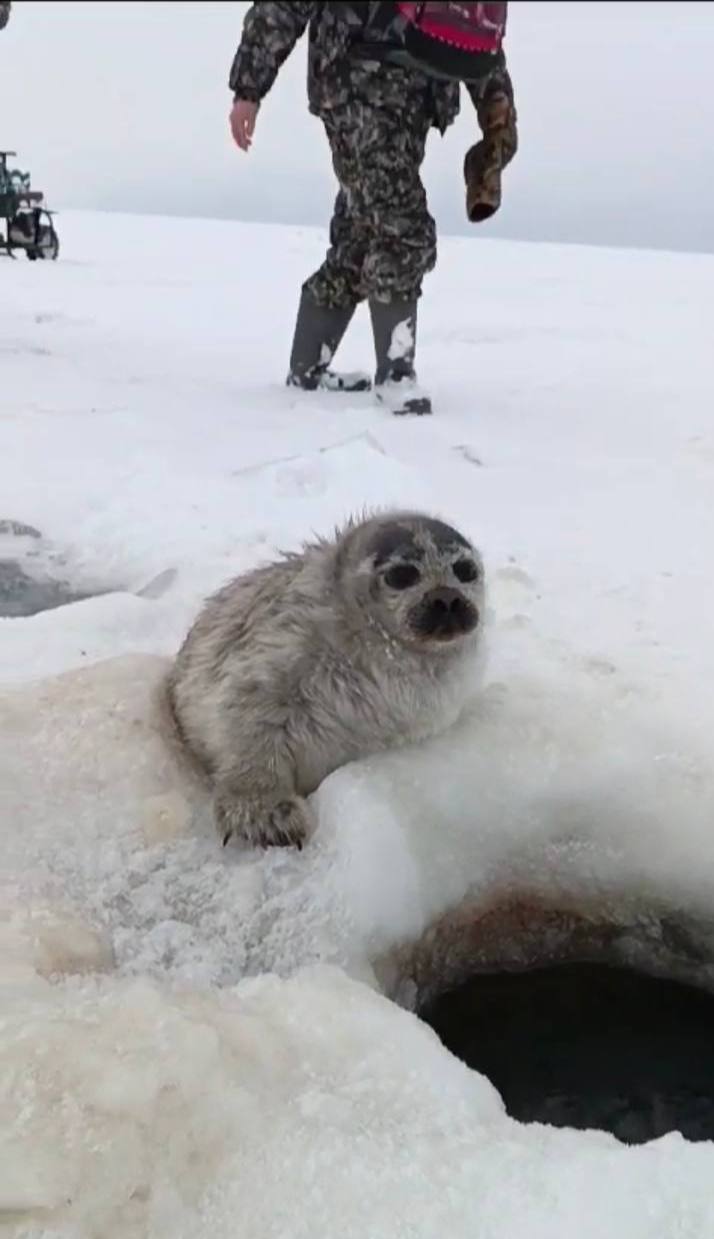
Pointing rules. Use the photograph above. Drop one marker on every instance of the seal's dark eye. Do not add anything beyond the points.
(465, 570)
(401, 576)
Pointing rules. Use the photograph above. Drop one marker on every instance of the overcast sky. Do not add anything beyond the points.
(123, 106)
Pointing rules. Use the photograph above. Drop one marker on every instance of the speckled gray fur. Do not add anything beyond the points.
(296, 668)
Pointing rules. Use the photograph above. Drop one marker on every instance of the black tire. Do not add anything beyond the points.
(48, 253)
(51, 253)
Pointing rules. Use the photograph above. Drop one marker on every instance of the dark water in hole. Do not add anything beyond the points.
(21, 594)
(585, 1045)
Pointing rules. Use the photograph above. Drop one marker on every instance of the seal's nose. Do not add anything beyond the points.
(446, 611)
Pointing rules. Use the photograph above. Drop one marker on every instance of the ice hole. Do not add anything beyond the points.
(22, 594)
(587, 1045)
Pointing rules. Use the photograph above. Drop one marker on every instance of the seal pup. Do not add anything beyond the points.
(357, 644)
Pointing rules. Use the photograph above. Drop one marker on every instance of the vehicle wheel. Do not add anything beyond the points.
(51, 251)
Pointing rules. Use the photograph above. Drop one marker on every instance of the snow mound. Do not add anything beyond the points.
(557, 783)
(275, 1108)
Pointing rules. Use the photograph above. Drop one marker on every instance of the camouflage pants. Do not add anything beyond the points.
(382, 237)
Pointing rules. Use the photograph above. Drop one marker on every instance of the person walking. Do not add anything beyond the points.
(380, 77)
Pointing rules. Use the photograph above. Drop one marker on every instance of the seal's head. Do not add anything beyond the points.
(416, 577)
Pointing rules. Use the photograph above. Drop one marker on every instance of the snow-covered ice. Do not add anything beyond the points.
(193, 1040)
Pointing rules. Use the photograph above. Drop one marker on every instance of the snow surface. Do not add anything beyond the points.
(152, 1083)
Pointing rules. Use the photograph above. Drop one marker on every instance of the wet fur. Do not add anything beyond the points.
(298, 667)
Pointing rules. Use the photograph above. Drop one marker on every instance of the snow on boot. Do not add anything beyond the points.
(318, 332)
(343, 380)
(395, 381)
(403, 397)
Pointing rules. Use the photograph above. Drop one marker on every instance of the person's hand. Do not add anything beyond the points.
(242, 121)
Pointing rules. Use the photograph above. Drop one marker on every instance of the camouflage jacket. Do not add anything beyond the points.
(335, 75)
(5, 6)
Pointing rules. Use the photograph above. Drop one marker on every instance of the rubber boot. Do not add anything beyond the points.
(395, 382)
(318, 332)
